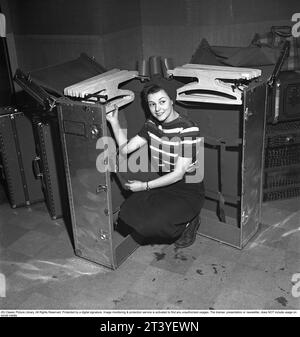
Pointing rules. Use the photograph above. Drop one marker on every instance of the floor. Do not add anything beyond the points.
(40, 271)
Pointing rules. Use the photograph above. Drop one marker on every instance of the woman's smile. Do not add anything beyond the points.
(158, 114)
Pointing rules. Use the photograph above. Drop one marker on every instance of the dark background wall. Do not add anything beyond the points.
(69, 17)
(175, 28)
(49, 32)
(119, 32)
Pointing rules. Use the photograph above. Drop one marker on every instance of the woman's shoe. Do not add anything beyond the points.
(188, 237)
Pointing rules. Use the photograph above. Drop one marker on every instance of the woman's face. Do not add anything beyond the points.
(161, 106)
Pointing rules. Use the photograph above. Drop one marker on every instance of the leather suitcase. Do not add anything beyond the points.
(282, 161)
(45, 167)
(46, 86)
(17, 147)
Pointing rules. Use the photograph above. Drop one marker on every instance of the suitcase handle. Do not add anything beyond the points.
(36, 168)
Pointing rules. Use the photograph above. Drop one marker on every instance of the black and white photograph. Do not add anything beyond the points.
(149, 160)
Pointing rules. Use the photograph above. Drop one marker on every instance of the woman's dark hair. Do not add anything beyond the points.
(151, 89)
(158, 83)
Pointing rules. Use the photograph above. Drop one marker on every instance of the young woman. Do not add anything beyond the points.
(165, 209)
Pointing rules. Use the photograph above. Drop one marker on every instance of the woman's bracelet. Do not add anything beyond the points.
(147, 186)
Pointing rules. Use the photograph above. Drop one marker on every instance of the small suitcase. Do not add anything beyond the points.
(282, 161)
(45, 167)
(17, 148)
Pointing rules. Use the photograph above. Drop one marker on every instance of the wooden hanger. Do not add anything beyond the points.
(104, 88)
(215, 84)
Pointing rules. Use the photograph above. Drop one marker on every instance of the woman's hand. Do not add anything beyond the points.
(112, 117)
(135, 185)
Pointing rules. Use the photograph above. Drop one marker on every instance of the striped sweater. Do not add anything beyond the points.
(168, 141)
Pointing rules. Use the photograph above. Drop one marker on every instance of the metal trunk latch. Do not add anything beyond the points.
(101, 188)
(95, 131)
(244, 217)
(247, 114)
(103, 235)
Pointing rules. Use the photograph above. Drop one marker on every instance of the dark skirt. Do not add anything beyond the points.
(162, 213)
